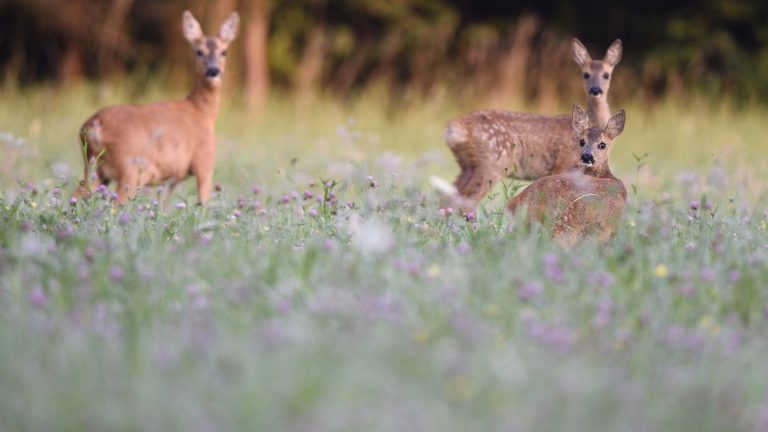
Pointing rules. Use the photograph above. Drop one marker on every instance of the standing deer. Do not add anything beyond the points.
(493, 144)
(163, 142)
(580, 203)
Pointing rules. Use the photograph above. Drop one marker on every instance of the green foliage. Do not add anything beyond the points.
(716, 48)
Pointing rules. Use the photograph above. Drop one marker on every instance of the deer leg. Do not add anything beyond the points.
(464, 175)
(460, 183)
(82, 190)
(204, 181)
(478, 185)
(127, 184)
(168, 193)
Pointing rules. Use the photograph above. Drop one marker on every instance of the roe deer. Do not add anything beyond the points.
(138, 145)
(493, 144)
(589, 201)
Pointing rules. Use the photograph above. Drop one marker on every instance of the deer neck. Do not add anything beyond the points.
(206, 97)
(598, 111)
(598, 171)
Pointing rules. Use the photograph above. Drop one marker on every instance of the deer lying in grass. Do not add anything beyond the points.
(492, 144)
(589, 201)
(163, 142)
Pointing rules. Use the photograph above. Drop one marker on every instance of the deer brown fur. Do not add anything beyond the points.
(493, 144)
(586, 202)
(163, 142)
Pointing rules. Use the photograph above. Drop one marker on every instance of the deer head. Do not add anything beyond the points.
(210, 51)
(596, 73)
(594, 143)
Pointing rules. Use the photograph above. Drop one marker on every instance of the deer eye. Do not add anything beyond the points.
(586, 75)
(199, 53)
(601, 146)
(224, 53)
(582, 143)
(606, 75)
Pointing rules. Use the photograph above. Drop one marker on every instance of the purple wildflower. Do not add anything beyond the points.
(603, 314)
(707, 274)
(116, 273)
(464, 248)
(734, 276)
(37, 297)
(330, 245)
(124, 218)
(530, 290)
(553, 270)
(604, 279)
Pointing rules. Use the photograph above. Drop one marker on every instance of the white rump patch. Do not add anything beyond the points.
(443, 186)
(94, 132)
(455, 134)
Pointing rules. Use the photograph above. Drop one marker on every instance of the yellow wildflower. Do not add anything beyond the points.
(709, 325)
(422, 335)
(491, 310)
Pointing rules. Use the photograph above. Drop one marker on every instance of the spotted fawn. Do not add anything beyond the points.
(490, 145)
(588, 201)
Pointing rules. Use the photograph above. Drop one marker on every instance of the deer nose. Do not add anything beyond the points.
(212, 72)
(595, 91)
(587, 158)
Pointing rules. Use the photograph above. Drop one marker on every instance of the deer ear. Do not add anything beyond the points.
(579, 120)
(580, 53)
(229, 29)
(190, 27)
(615, 125)
(613, 55)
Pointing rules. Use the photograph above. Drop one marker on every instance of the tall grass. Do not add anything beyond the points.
(289, 303)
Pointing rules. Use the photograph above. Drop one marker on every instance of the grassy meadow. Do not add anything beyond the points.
(321, 289)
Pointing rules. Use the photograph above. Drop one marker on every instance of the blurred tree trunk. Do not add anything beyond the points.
(71, 69)
(350, 69)
(256, 60)
(217, 13)
(310, 69)
(112, 40)
(512, 73)
(551, 72)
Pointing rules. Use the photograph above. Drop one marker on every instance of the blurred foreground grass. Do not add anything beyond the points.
(291, 304)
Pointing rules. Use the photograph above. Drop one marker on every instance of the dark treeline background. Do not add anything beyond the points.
(491, 50)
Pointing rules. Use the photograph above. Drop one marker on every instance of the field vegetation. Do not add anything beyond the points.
(321, 288)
